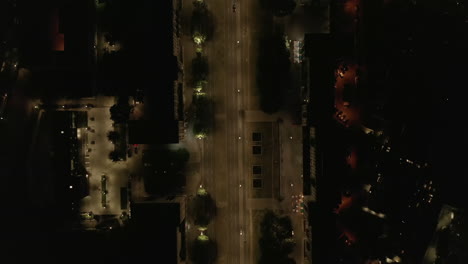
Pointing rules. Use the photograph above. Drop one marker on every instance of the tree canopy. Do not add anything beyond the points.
(120, 112)
(114, 156)
(276, 241)
(202, 209)
(113, 136)
(203, 115)
(200, 68)
(202, 23)
(203, 251)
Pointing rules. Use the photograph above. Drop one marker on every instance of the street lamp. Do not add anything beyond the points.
(200, 136)
(203, 237)
(198, 38)
(201, 191)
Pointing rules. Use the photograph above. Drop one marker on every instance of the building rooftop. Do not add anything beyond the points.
(153, 132)
(155, 231)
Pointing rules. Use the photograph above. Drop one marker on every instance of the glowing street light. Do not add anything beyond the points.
(198, 38)
(202, 191)
(203, 237)
(200, 136)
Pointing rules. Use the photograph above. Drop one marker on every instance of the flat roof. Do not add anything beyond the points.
(153, 132)
(156, 226)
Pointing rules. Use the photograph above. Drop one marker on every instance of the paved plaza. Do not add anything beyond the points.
(97, 148)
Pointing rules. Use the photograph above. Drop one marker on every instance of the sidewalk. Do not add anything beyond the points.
(291, 180)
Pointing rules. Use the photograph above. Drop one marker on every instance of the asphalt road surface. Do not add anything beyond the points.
(225, 165)
(224, 173)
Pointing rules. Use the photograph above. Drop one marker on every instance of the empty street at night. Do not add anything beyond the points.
(233, 131)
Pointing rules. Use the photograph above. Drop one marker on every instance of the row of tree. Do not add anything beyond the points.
(203, 122)
(202, 209)
(202, 28)
(202, 23)
(203, 251)
(119, 113)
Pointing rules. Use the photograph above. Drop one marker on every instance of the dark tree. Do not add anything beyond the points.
(120, 112)
(199, 68)
(203, 115)
(113, 136)
(204, 252)
(202, 21)
(276, 241)
(114, 156)
(202, 209)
